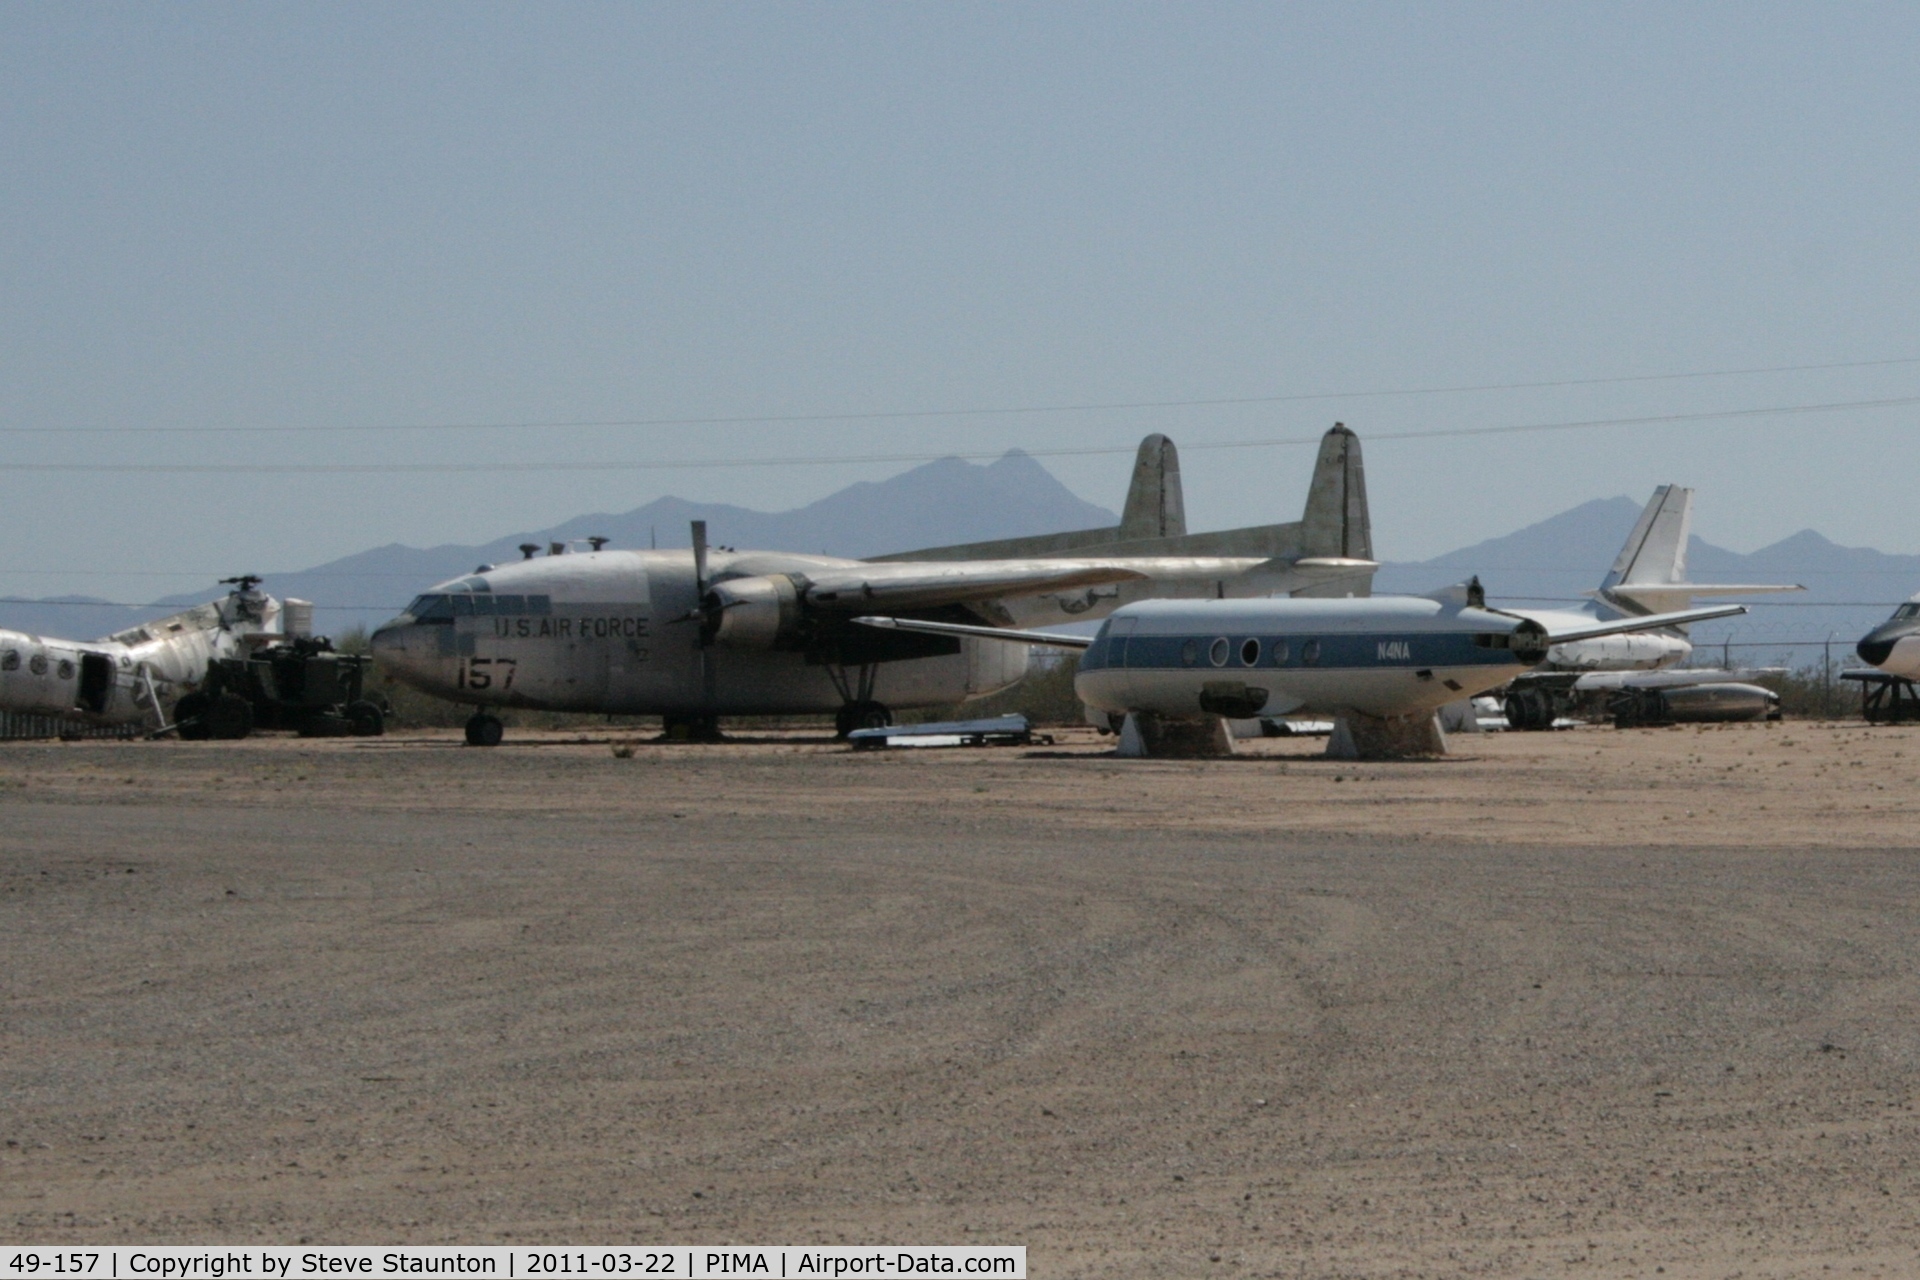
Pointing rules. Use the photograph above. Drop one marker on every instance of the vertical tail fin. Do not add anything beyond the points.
(1656, 550)
(1336, 522)
(1156, 507)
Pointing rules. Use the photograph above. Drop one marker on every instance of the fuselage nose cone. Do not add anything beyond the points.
(389, 642)
(1874, 651)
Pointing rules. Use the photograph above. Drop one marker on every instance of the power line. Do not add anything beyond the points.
(187, 573)
(1751, 604)
(1013, 411)
(116, 604)
(804, 460)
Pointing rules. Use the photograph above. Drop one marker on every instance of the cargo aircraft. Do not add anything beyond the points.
(1380, 667)
(127, 678)
(693, 635)
(1635, 668)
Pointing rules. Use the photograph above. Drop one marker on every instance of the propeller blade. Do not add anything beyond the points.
(699, 611)
(700, 557)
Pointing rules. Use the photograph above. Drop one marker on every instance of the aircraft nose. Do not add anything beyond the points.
(389, 643)
(1874, 651)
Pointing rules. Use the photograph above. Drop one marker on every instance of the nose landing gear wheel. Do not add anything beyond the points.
(861, 715)
(484, 730)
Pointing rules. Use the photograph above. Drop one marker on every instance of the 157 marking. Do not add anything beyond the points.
(58, 1264)
(478, 673)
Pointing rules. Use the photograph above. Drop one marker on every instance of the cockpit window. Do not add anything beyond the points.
(1906, 611)
(475, 584)
(435, 607)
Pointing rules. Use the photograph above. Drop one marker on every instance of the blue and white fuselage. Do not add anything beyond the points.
(1381, 664)
(1385, 656)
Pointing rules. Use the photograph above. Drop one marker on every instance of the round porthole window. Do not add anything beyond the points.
(1310, 652)
(1249, 652)
(66, 669)
(1217, 654)
(10, 660)
(37, 664)
(1190, 652)
(1281, 652)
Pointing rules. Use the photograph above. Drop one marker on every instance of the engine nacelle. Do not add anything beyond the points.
(753, 613)
(1693, 704)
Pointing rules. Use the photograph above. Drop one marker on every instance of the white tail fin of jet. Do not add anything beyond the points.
(1650, 573)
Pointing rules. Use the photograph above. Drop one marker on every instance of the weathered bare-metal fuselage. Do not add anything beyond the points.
(620, 632)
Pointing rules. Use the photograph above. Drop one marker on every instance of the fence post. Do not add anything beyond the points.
(1826, 680)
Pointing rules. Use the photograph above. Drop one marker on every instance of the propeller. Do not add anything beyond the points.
(699, 611)
(700, 563)
(244, 583)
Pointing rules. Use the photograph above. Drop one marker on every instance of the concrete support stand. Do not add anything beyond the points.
(1168, 737)
(1358, 737)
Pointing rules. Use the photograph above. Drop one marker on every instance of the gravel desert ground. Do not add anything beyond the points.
(1589, 1003)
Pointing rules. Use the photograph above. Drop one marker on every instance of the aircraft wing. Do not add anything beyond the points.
(984, 633)
(1615, 627)
(930, 584)
(1649, 622)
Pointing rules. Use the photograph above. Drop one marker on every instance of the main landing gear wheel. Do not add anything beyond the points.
(861, 715)
(1529, 709)
(229, 716)
(690, 729)
(190, 714)
(484, 730)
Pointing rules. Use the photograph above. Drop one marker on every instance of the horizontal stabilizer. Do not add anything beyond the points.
(1662, 597)
(1335, 527)
(1647, 622)
(1265, 542)
(1337, 566)
(979, 633)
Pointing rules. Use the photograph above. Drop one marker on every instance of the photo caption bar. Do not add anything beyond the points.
(512, 1262)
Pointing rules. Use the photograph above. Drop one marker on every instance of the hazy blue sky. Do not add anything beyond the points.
(362, 216)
